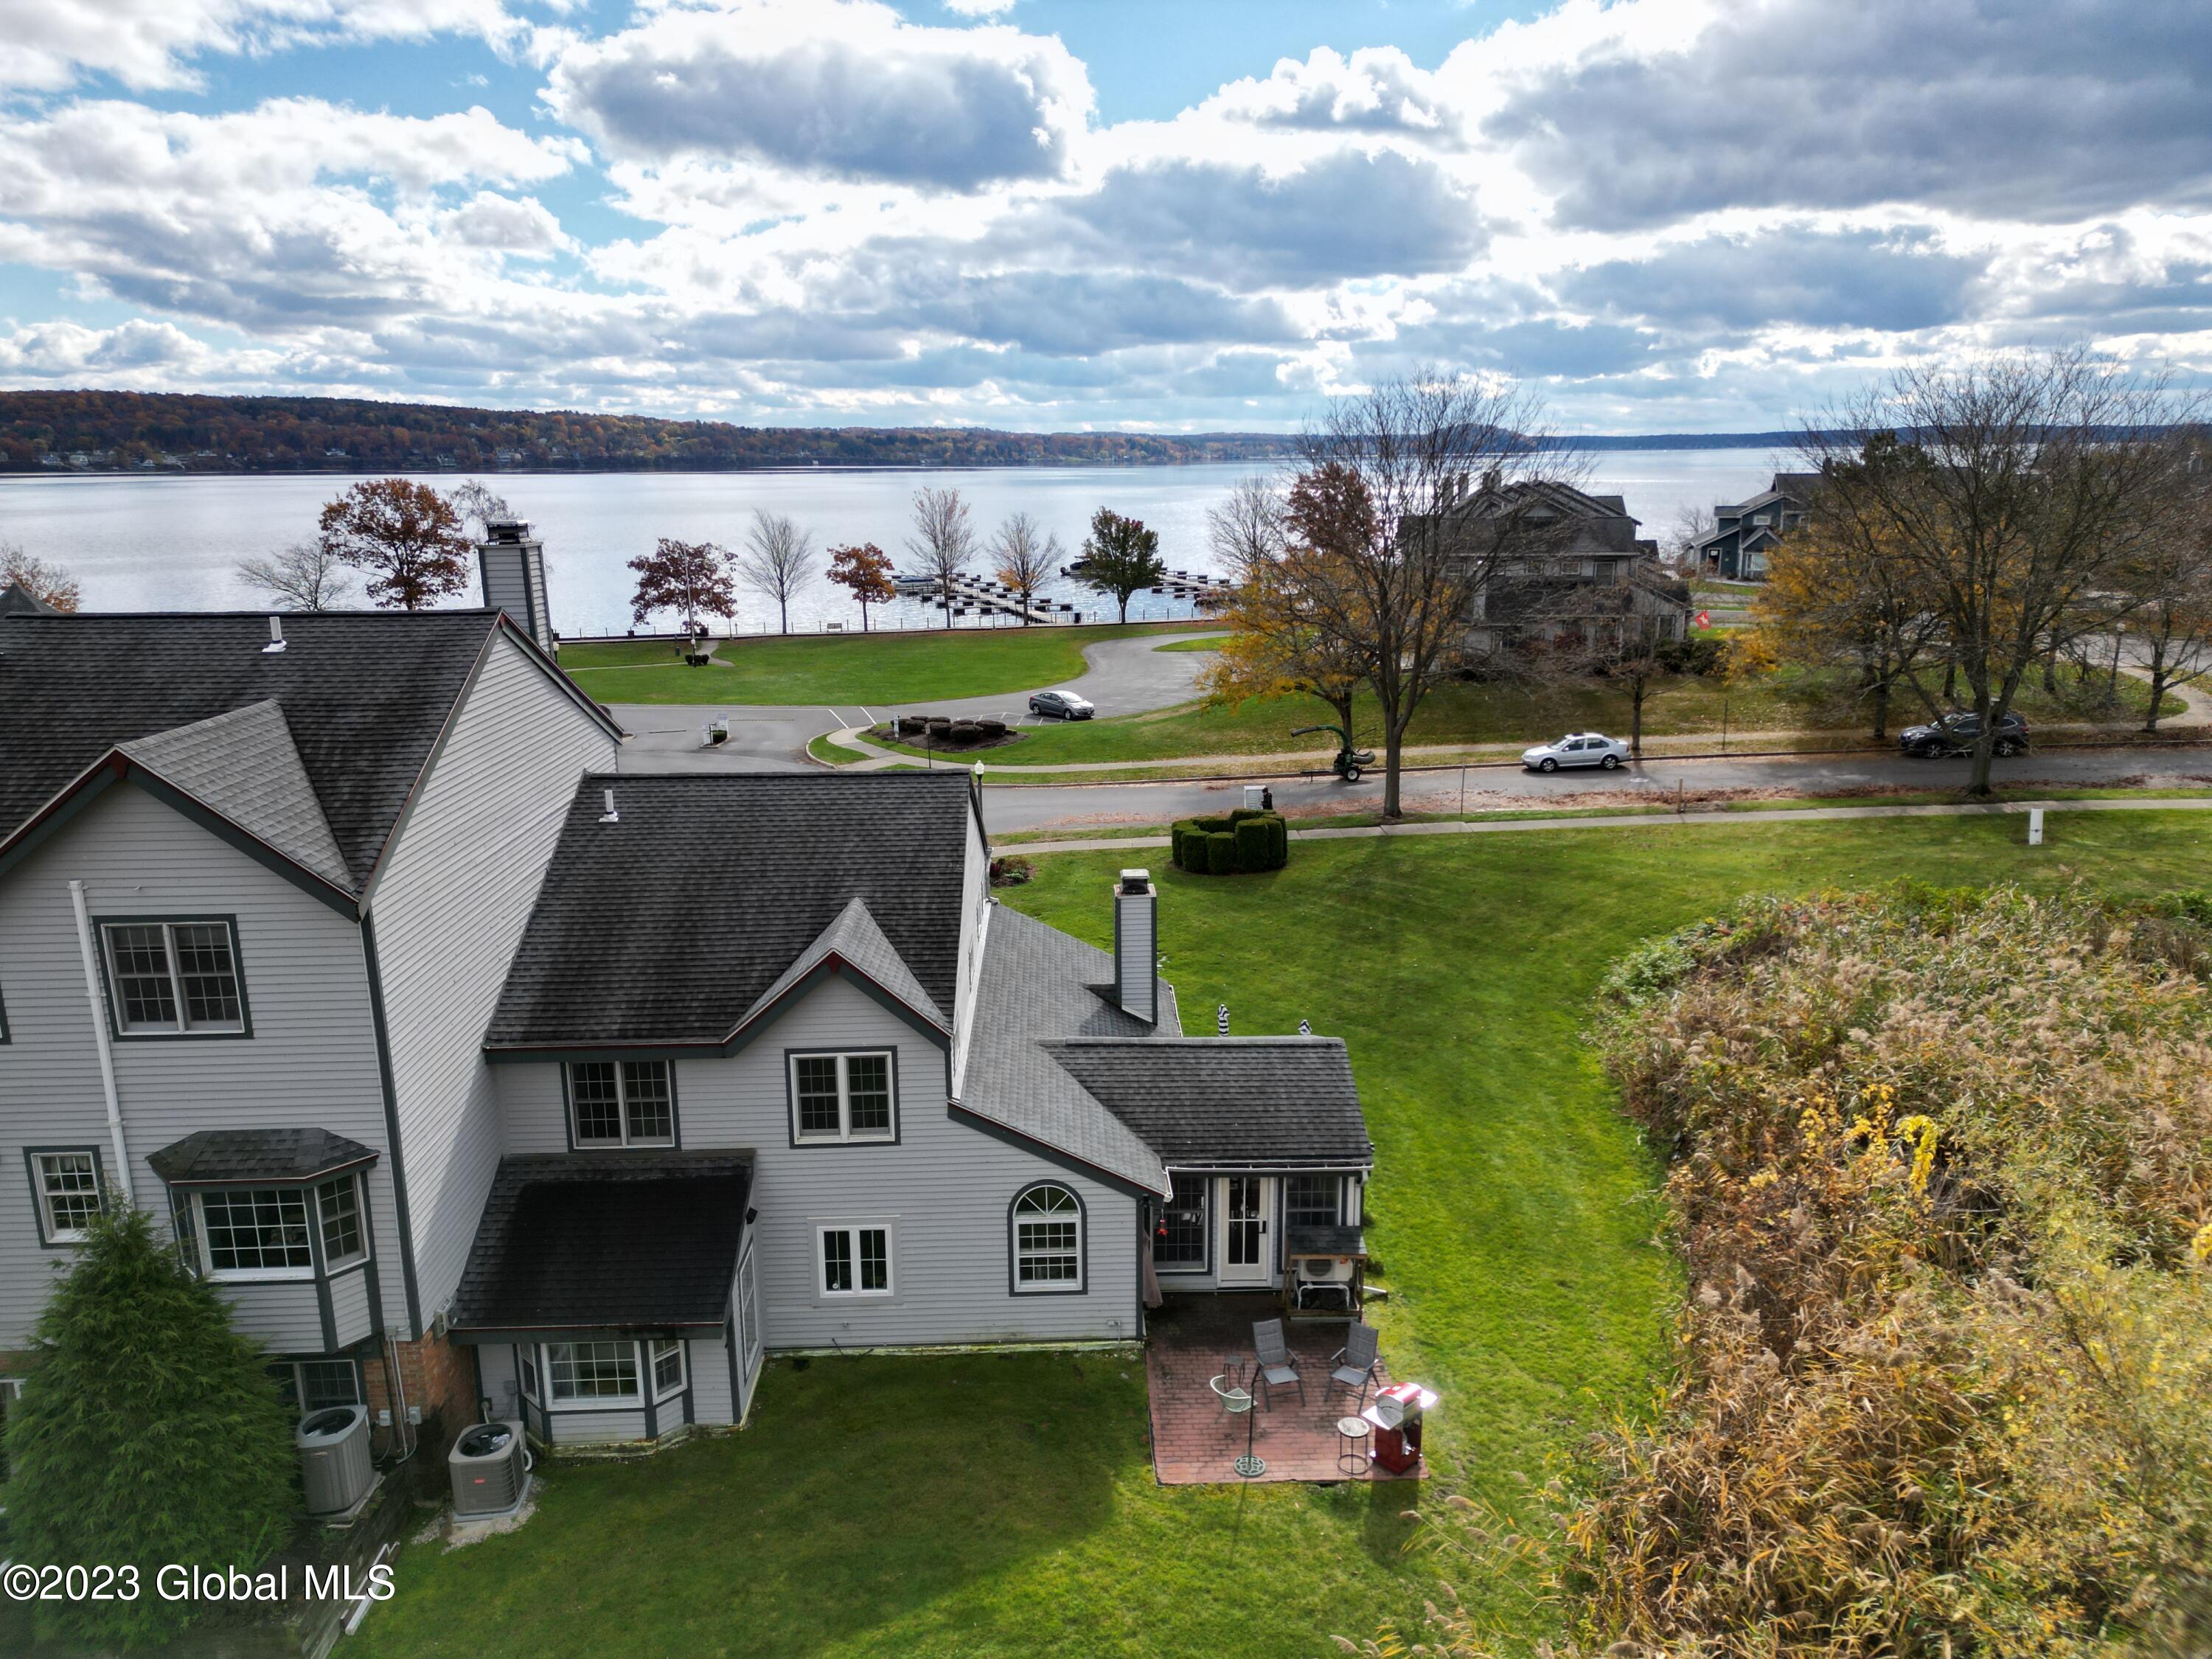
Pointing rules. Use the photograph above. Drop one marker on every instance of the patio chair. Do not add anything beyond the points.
(1357, 1362)
(1273, 1363)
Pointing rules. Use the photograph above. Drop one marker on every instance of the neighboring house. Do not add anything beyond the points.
(1744, 534)
(1586, 575)
(473, 1069)
(17, 600)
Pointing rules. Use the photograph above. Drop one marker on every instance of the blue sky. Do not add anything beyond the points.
(1173, 214)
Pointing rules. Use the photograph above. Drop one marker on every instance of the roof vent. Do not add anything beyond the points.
(609, 816)
(276, 636)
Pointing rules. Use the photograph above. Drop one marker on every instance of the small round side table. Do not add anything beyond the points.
(1352, 1456)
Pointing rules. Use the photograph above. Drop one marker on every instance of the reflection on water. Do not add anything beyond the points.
(172, 543)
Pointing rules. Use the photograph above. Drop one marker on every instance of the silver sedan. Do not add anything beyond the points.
(1576, 749)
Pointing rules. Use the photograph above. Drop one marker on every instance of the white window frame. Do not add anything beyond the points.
(1074, 1286)
(335, 1264)
(555, 1401)
(621, 1068)
(43, 1195)
(182, 1025)
(852, 1230)
(310, 1216)
(845, 1136)
(657, 1348)
(526, 1377)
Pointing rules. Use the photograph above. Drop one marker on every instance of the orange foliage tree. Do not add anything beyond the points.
(404, 536)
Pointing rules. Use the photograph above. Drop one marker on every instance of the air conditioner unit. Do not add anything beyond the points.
(490, 1469)
(1325, 1269)
(335, 1471)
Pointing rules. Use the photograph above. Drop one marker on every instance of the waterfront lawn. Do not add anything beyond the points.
(988, 1505)
(875, 669)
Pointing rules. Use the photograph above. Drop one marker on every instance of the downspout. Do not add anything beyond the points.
(92, 996)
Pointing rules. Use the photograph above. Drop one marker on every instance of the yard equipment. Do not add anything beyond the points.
(1349, 761)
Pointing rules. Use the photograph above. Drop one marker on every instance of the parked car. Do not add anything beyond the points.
(1576, 749)
(1954, 734)
(1064, 704)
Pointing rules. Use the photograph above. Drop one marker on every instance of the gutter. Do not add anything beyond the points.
(92, 996)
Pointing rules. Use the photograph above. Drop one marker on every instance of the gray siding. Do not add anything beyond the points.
(309, 1061)
(710, 1383)
(285, 1316)
(573, 1428)
(349, 1307)
(447, 913)
(499, 1383)
(945, 1189)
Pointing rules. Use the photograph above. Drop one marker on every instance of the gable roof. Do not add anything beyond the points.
(1261, 1102)
(245, 766)
(585, 1241)
(365, 696)
(714, 893)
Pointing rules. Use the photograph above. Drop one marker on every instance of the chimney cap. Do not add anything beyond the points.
(1136, 881)
(507, 529)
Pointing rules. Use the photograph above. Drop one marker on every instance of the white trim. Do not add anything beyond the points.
(624, 1139)
(1072, 1215)
(682, 1350)
(43, 1196)
(101, 1042)
(332, 1264)
(852, 1229)
(1251, 1275)
(633, 1400)
(845, 1135)
(310, 1214)
(184, 1025)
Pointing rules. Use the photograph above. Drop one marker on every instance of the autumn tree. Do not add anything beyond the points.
(2170, 583)
(1272, 650)
(47, 583)
(404, 535)
(944, 540)
(304, 576)
(1393, 544)
(1839, 595)
(2017, 490)
(1120, 558)
(692, 579)
(778, 559)
(864, 571)
(1024, 556)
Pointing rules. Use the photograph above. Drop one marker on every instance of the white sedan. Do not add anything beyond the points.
(1576, 749)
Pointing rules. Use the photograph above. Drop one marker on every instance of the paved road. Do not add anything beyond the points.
(1122, 676)
(1075, 804)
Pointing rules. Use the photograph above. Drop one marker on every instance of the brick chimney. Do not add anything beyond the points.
(512, 564)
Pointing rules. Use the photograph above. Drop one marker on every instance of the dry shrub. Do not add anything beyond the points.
(1941, 1178)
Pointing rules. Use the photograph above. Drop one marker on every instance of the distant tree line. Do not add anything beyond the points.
(184, 432)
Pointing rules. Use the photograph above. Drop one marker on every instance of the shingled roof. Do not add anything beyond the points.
(599, 1241)
(212, 1155)
(363, 697)
(245, 766)
(678, 923)
(1259, 1102)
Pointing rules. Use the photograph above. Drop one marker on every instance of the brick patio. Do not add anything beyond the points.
(1194, 1439)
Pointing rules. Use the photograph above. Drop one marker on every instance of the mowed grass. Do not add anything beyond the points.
(908, 666)
(1463, 712)
(990, 1505)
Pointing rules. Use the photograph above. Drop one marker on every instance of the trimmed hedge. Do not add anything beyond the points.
(1242, 842)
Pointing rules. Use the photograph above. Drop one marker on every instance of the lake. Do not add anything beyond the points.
(172, 544)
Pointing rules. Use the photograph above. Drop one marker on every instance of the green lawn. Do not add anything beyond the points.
(1504, 711)
(1212, 642)
(845, 668)
(834, 753)
(986, 1505)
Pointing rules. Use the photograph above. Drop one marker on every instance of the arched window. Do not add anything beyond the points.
(1047, 1240)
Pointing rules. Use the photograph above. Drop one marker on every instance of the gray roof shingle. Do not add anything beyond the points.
(669, 927)
(364, 696)
(606, 1240)
(855, 938)
(208, 1156)
(1273, 1102)
(245, 766)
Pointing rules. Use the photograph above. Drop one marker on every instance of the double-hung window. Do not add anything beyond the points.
(592, 1373)
(667, 1367)
(1179, 1240)
(251, 1232)
(1309, 1201)
(345, 1241)
(174, 978)
(842, 1098)
(629, 1102)
(67, 1187)
(314, 1385)
(855, 1259)
(1047, 1239)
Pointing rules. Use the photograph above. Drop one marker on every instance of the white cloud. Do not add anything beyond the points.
(979, 8)
(1377, 89)
(841, 89)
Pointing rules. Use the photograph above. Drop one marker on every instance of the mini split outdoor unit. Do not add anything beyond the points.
(1324, 1269)
(490, 1466)
(335, 1470)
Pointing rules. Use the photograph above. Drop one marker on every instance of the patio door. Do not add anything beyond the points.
(1246, 1245)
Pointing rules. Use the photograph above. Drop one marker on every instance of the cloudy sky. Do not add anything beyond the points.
(1178, 215)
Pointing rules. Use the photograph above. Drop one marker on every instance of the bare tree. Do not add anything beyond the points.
(943, 541)
(1022, 557)
(778, 560)
(47, 583)
(1272, 650)
(1692, 523)
(304, 576)
(2017, 488)
(478, 504)
(1394, 545)
(2171, 581)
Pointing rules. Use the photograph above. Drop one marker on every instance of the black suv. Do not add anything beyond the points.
(1954, 734)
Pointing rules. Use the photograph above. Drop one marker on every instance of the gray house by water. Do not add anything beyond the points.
(475, 1069)
(1744, 533)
